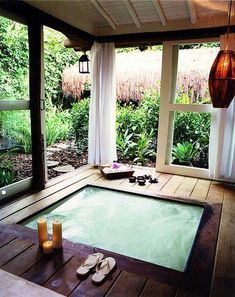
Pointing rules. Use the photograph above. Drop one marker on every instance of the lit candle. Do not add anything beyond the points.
(42, 231)
(47, 247)
(57, 234)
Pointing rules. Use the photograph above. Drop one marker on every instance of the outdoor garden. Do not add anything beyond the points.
(67, 97)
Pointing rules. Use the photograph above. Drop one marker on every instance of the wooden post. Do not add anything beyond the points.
(35, 91)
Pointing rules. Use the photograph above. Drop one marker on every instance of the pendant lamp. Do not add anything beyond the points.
(222, 75)
(84, 64)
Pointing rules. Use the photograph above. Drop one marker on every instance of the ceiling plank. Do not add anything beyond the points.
(160, 11)
(104, 13)
(192, 11)
(132, 13)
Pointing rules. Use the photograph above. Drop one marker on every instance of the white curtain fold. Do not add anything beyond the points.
(222, 144)
(222, 138)
(102, 114)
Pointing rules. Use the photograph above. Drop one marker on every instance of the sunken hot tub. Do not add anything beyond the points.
(172, 240)
(154, 230)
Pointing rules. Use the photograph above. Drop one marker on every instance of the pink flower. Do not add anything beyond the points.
(116, 166)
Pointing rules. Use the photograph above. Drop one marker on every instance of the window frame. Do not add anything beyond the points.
(168, 107)
(36, 106)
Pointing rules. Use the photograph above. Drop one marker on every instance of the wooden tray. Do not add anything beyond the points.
(116, 173)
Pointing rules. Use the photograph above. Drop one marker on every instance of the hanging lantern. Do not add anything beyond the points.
(84, 64)
(222, 79)
(222, 74)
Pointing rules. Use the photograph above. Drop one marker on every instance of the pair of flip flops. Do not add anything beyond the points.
(103, 267)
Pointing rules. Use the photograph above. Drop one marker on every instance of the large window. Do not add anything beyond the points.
(15, 124)
(185, 108)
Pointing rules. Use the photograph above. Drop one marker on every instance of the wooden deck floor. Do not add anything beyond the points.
(19, 250)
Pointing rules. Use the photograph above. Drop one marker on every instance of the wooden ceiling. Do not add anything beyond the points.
(115, 17)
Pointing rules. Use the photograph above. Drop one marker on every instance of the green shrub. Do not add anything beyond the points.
(80, 122)
(58, 125)
(125, 145)
(150, 105)
(195, 128)
(6, 172)
(184, 153)
(15, 126)
(137, 129)
(144, 151)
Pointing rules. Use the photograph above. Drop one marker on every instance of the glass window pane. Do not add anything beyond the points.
(15, 146)
(191, 139)
(194, 64)
(14, 64)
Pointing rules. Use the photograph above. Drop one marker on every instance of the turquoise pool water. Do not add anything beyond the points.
(154, 230)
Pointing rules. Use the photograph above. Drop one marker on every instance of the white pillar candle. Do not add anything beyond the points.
(42, 231)
(57, 234)
(47, 247)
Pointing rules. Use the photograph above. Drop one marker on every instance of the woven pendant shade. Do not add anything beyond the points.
(222, 79)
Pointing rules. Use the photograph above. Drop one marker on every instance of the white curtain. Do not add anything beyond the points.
(102, 116)
(222, 138)
(222, 144)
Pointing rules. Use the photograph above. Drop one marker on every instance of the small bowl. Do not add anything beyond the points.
(141, 182)
(140, 177)
(153, 180)
(147, 176)
(132, 179)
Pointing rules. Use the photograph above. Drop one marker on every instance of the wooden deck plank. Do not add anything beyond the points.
(67, 175)
(172, 185)
(29, 200)
(157, 289)
(44, 269)
(12, 249)
(186, 188)
(163, 178)
(224, 272)
(128, 285)
(185, 293)
(43, 203)
(24, 261)
(88, 289)
(14, 286)
(216, 193)
(201, 189)
(5, 238)
(65, 280)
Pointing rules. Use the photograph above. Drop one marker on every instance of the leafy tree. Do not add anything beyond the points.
(14, 62)
(14, 67)
(57, 58)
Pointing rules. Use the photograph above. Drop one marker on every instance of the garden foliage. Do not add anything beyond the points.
(137, 130)
(80, 121)
(14, 62)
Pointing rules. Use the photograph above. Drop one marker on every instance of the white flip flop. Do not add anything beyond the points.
(89, 263)
(103, 269)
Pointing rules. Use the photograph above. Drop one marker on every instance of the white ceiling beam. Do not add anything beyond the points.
(160, 11)
(132, 13)
(192, 11)
(104, 13)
